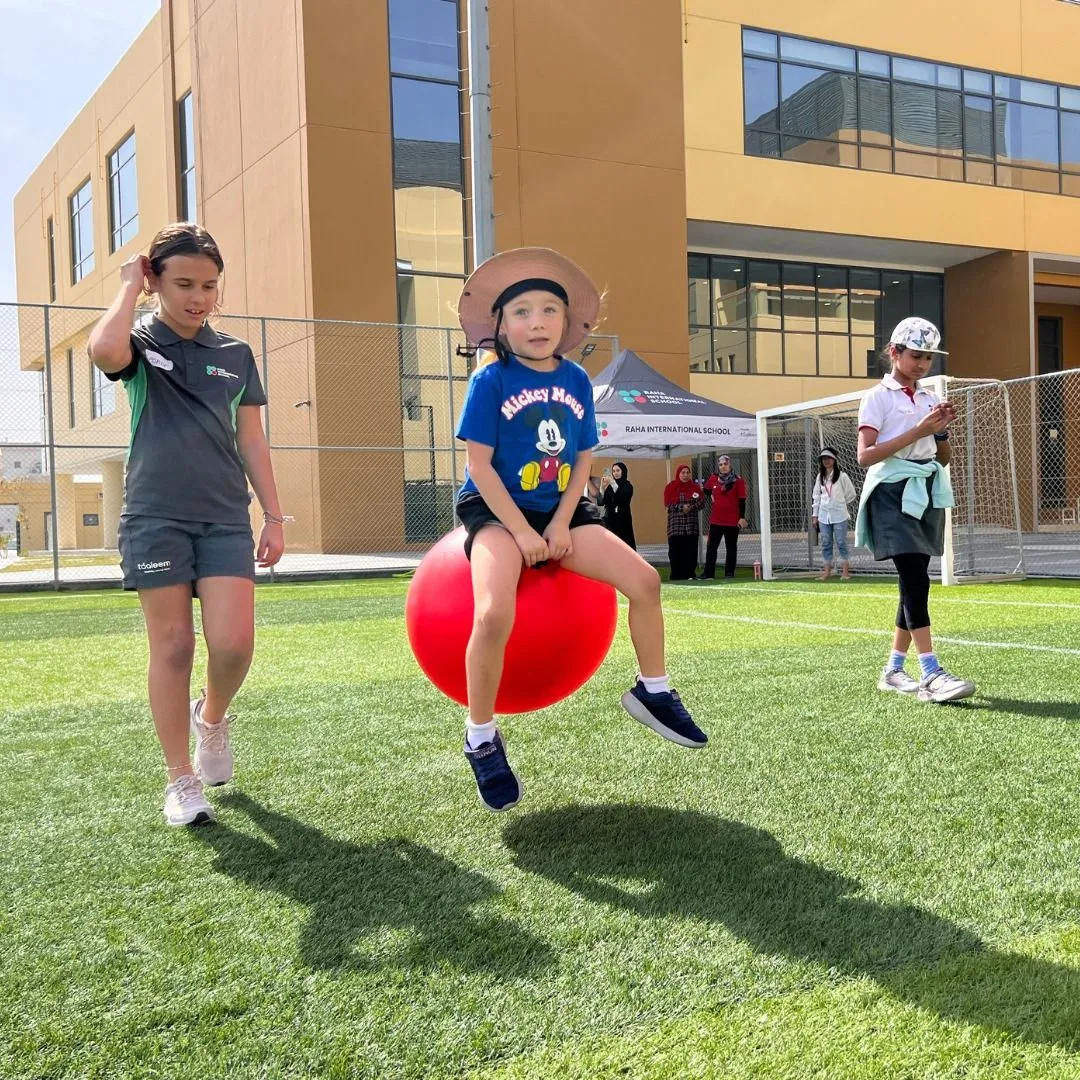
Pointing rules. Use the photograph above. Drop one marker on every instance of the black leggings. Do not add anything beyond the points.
(914, 571)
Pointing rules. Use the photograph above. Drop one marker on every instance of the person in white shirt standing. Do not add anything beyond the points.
(904, 446)
(833, 490)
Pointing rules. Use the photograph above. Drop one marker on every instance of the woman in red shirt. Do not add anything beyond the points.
(728, 491)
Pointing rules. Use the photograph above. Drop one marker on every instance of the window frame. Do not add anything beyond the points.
(118, 224)
(82, 263)
(761, 140)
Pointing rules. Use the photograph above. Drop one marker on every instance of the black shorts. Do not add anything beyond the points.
(474, 514)
(161, 551)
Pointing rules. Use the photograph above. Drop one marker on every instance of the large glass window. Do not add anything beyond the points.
(831, 104)
(185, 115)
(123, 194)
(429, 180)
(81, 214)
(763, 317)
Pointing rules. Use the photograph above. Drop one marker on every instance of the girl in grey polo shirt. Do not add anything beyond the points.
(196, 440)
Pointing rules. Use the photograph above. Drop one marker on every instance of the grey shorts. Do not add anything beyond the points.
(155, 552)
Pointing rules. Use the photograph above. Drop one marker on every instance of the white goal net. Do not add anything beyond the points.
(984, 538)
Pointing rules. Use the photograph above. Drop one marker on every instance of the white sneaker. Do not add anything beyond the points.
(185, 803)
(899, 682)
(213, 758)
(941, 687)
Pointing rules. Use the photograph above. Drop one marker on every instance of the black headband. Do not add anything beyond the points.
(528, 285)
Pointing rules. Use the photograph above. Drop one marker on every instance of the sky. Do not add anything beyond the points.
(53, 55)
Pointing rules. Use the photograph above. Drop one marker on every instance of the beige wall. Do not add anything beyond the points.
(988, 317)
(605, 184)
(753, 392)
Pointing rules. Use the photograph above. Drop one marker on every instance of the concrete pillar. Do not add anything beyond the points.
(65, 511)
(112, 500)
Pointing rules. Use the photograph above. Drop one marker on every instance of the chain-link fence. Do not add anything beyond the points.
(360, 420)
(1015, 472)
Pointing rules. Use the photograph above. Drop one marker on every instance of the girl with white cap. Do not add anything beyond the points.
(904, 445)
(529, 427)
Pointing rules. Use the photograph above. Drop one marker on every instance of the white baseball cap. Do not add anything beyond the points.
(918, 334)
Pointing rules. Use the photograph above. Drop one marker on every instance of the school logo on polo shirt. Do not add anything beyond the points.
(212, 370)
(158, 360)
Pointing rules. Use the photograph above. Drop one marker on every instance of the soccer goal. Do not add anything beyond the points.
(983, 539)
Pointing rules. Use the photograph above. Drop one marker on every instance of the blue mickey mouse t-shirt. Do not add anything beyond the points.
(537, 422)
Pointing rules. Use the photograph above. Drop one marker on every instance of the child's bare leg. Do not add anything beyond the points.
(496, 567)
(228, 623)
(171, 634)
(601, 555)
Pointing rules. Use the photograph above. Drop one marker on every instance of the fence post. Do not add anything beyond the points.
(266, 391)
(1016, 486)
(808, 487)
(450, 407)
(939, 384)
(969, 447)
(1035, 403)
(51, 447)
(764, 506)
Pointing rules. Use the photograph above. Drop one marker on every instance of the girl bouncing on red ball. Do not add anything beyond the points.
(530, 429)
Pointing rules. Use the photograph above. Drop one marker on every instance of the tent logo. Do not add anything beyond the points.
(634, 396)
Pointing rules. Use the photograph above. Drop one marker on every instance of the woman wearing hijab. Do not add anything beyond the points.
(617, 491)
(683, 499)
(728, 491)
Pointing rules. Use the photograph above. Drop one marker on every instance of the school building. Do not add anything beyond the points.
(762, 192)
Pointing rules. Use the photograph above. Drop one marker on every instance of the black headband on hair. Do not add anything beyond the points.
(528, 285)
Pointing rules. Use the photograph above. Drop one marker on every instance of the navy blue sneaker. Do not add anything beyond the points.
(665, 714)
(496, 784)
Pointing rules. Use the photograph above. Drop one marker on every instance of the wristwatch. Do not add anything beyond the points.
(941, 436)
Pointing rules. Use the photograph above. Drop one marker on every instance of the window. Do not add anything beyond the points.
(429, 180)
(102, 394)
(762, 317)
(123, 194)
(831, 104)
(51, 234)
(81, 213)
(424, 39)
(186, 158)
(71, 387)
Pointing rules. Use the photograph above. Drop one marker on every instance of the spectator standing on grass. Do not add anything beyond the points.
(196, 439)
(833, 490)
(683, 499)
(617, 495)
(728, 517)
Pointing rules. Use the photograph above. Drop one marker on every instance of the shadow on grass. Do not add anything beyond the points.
(356, 893)
(1043, 710)
(660, 862)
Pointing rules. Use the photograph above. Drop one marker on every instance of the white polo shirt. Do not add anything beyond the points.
(890, 411)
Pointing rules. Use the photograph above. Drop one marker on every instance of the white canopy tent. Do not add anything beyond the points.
(642, 414)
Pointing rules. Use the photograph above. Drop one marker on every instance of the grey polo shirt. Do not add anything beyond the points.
(182, 460)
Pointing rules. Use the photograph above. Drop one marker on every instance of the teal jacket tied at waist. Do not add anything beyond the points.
(891, 471)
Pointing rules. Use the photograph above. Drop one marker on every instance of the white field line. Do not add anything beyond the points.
(832, 595)
(883, 632)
